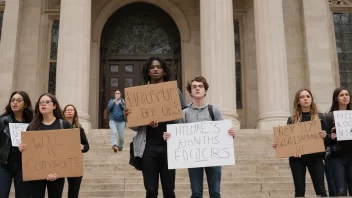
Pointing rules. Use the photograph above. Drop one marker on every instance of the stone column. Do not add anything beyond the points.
(9, 48)
(271, 63)
(72, 75)
(94, 83)
(218, 55)
(320, 73)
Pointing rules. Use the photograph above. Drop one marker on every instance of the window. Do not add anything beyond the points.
(343, 34)
(140, 34)
(238, 65)
(54, 41)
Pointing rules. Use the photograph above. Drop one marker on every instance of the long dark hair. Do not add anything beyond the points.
(335, 99)
(148, 63)
(75, 121)
(27, 114)
(38, 117)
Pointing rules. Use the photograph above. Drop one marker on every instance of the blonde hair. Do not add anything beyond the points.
(297, 110)
(75, 121)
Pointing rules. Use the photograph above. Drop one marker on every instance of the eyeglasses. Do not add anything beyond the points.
(45, 102)
(16, 99)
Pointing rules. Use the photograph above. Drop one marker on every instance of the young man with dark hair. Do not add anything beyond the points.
(199, 111)
(149, 144)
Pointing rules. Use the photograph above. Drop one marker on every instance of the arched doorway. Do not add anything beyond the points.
(130, 36)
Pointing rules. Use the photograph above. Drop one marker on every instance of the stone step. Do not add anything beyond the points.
(242, 179)
(257, 173)
(185, 193)
(179, 179)
(259, 167)
(185, 174)
(96, 160)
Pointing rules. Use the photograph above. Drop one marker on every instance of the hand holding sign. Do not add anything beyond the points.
(148, 103)
(51, 154)
(52, 177)
(15, 131)
(299, 139)
(200, 144)
(343, 124)
(22, 147)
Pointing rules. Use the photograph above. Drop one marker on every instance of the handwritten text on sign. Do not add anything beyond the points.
(159, 102)
(302, 138)
(200, 144)
(15, 131)
(52, 151)
(343, 125)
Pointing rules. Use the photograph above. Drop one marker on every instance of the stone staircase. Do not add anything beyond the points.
(257, 173)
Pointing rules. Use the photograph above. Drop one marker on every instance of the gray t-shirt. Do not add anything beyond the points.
(194, 114)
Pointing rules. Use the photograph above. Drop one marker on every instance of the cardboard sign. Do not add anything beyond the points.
(52, 151)
(159, 102)
(200, 144)
(302, 138)
(15, 131)
(343, 125)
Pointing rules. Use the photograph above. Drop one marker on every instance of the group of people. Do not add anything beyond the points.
(47, 115)
(336, 162)
(150, 142)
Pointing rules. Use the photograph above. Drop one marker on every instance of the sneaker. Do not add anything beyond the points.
(120, 148)
(115, 148)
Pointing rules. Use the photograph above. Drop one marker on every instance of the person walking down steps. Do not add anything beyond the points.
(117, 121)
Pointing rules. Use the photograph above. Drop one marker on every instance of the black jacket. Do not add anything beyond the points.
(337, 147)
(5, 138)
(84, 140)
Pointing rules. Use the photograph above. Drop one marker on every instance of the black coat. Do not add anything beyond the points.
(5, 138)
(84, 140)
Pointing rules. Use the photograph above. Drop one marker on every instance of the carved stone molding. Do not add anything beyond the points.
(340, 3)
(54, 4)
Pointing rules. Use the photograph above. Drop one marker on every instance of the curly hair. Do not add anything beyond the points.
(148, 63)
(198, 79)
(297, 110)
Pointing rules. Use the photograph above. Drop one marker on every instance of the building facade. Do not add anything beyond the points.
(255, 53)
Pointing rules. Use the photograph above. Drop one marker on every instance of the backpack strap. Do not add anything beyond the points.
(61, 124)
(211, 112)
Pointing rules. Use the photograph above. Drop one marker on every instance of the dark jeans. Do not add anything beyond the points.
(74, 184)
(6, 177)
(316, 170)
(342, 171)
(330, 178)
(37, 188)
(213, 178)
(154, 162)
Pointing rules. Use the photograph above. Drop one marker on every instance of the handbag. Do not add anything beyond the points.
(328, 153)
(136, 162)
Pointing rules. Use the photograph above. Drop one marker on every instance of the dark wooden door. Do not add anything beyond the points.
(117, 76)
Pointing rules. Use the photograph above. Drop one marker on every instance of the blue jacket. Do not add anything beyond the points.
(116, 111)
